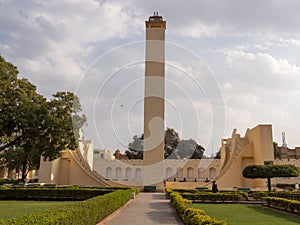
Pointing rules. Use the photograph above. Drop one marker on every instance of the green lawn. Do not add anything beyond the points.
(241, 214)
(11, 209)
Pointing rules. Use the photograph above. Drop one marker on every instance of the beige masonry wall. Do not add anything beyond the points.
(69, 169)
(237, 152)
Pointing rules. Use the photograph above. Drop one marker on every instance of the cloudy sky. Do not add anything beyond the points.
(229, 64)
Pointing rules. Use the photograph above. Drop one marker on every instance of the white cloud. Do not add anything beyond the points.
(53, 38)
(261, 71)
(288, 42)
(242, 99)
(227, 86)
(237, 118)
(52, 42)
(200, 30)
(281, 114)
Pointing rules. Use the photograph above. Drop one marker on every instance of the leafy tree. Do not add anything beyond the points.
(21, 160)
(174, 148)
(189, 149)
(32, 126)
(135, 148)
(269, 171)
(18, 102)
(171, 141)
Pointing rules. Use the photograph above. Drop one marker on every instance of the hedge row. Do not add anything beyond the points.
(51, 194)
(88, 212)
(292, 195)
(16, 185)
(190, 216)
(208, 196)
(283, 204)
(9, 181)
(286, 186)
(186, 190)
(257, 195)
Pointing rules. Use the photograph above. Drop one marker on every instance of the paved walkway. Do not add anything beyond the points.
(146, 208)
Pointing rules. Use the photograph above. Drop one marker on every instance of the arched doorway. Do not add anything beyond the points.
(190, 173)
(169, 173)
(212, 173)
(201, 173)
(138, 173)
(118, 172)
(108, 172)
(128, 172)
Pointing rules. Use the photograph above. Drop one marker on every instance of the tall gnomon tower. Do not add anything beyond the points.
(154, 90)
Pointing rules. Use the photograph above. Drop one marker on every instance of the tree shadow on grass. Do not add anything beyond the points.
(275, 213)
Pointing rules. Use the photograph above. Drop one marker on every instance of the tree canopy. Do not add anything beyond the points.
(135, 148)
(174, 147)
(277, 151)
(269, 171)
(171, 141)
(32, 126)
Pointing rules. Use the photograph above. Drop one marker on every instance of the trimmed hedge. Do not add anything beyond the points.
(50, 194)
(88, 212)
(286, 186)
(9, 181)
(292, 195)
(208, 196)
(190, 216)
(258, 195)
(187, 190)
(63, 193)
(283, 204)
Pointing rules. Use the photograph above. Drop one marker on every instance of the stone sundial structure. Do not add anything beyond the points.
(101, 167)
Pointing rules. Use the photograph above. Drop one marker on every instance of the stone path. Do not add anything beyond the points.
(146, 208)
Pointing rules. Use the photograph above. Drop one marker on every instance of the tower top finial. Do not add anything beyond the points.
(155, 17)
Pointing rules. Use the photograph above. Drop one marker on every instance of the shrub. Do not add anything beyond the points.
(179, 203)
(88, 212)
(283, 204)
(190, 216)
(257, 195)
(186, 190)
(9, 181)
(208, 196)
(50, 194)
(168, 192)
(286, 186)
(292, 195)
